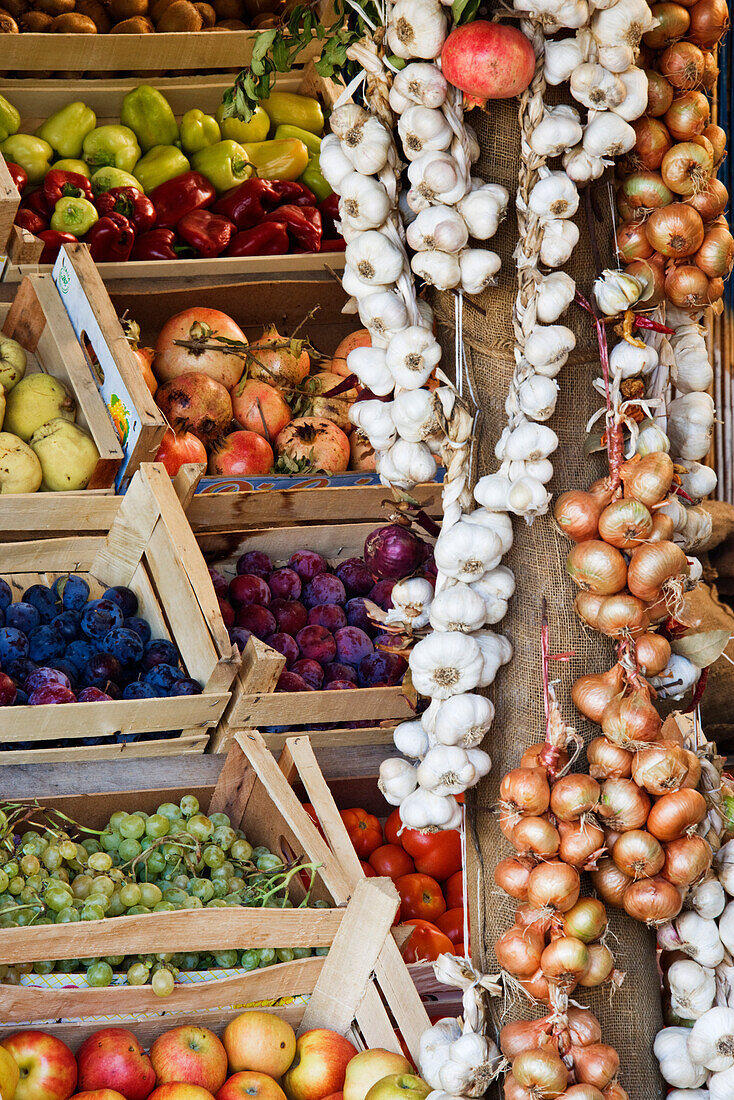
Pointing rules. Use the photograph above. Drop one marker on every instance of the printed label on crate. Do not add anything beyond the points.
(101, 362)
(211, 485)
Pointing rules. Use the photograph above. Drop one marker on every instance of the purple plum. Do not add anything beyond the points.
(381, 594)
(51, 694)
(185, 686)
(73, 591)
(125, 599)
(21, 669)
(357, 615)
(140, 626)
(8, 690)
(220, 582)
(317, 643)
(160, 652)
(256, 562)
(291, 681)
(239, 636)
(42, 677)
(352, 645)
(246, 589)
(329, 615)
(93, 695)
(355, 576)
(13, 645)
(101, 670)
(99, 617)
(337, 671)
(23, 616)
(6, 595)
(256, 619)
(285, 584)
(163, 677)
(285, 644)
(308, 564)
(311, 671)
(381, 668)
(291, 616)
(45, 643)
(44, 599)
(139, 689)
(339, 685)
(325, 588)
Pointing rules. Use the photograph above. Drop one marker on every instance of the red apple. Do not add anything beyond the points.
(178, 1090)
(189, 1054)
(242, 1086)
(98, 1094)
(320, 1065)
(240, 454)
(260, 1041)
(199, 325)
(253, 402)
(114, 1059)
(47, 1066)
(368, 1068)
(9, 1075)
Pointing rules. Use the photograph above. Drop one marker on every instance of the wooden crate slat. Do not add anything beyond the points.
(307, 707)
(62, 555)
(120, 716)
(129, 535)
(91, 512)
(9, 203)
(178, 746)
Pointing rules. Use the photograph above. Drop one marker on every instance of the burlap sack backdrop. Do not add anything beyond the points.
(632, 1016)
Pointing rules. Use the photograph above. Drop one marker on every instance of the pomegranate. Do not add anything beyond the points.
(359, 339)
(487, 61)
(241, 454)
(196, 403)
(362, 454)
(278, 360)
(329, 408)
(254, 402)
(201, 326)
(310, 443)
(176, 450)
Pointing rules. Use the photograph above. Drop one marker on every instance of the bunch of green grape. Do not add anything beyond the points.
(175, 858)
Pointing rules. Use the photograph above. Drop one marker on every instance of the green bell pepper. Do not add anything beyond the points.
(148, 114)
(278, 160)
(9, 119)
(289, 109)
(160, 164)
(33, 154)
(224, 165)
(66, 129)
(111, 147)
(236, 129)
(198, 131)
(313, 179)
(68, 164)
(75, 216)
(104, 179)
(311, 141)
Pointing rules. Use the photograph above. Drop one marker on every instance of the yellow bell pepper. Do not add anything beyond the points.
(289, 109)
(311, 141)
(236, 129)
(69, 164)
(278, 160)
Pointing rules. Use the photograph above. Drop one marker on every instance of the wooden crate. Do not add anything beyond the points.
(363, 967)
(255, 703)
(37, 99)
(150, 548)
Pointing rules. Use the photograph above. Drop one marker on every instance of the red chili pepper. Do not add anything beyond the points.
(132, 204)
(646, 322)
(157, 244)
(36, 200)
(268, 239)
(293, 193)
(329, 209)
(18, 175)
(335, 244)
(303, 224)
(110, 239)
(208, 233)
(60, 185)
(179, 196)
(30, 220)
(52, 242)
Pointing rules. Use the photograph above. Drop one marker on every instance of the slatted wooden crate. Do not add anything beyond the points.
(149, 547)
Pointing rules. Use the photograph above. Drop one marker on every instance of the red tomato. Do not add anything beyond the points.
(460, 950)
(369, 872)
(435, 854)
(452, 924)
(421, 897)
(365, 831)
(453, 890)
(314, 817)
(392, 861)
(427, 942)
(392, 827)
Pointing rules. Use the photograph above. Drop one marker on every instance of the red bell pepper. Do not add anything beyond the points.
(36, 200)
(61, 185)
(30, 220)
(52, 242)
(209, 234)
(110, 239)
(18, 175)
(329, 215)
(132, 204)
(157, 244)
(334, 244)
(248, 204)
(268, 239)
(179, 196)
(293, 193)
(303, 224)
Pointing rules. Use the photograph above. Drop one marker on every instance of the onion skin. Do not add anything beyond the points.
(639, 854)
(622, 616)
(393, 552)
(711, 201)
(531, 757)
(661, 768)
(564, 959)
(652, 274)
(577, 514)
(518, 951)
(553, 884)
(645, 191)
(662, 528)
(587, 606)
(536, 837)
(653, 653)
(596, 1064)
(648, 479)
(687, 115)
(597, 567)
(610, 883)
(687, 167)
(682, 65)
(601, 965)
(583, 1026)
(541, 1068)
(511, 875)
(717, 136)
(676, 231)
(607, 760)
(625, 524)
(715, 257)
(653, 566)
(631, 243)
(675, 813)
(623, 805)
(525, 790)
(573, 796)
(586, 921)
(660, 93)
(653, 900)
(693, 775)
(688, 287)
(673, 23)
(653, 142)
(525, 1035)
(615, 1092)
(709, 22)
(686, 860)
(592, 694)
(580, 840)
(631, 718)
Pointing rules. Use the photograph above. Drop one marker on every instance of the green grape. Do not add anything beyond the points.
(224, 836)
(233, 899)
(193, 903)
(86, 963)
(150, 894)
(103, 884)
(157, 825)
(146, 842)
(90, 845)
(164, 907)
(169, 810)
(100, 974)
(16, 886)
(201, 888)
(228, 869)
(43, 920)
(187, 960)
(137, 974)
(156, 863)
(216, 903)
(260, 850)
(269, 863)
(82, 855)
(130, 894)
(62, 875)
(142, 813)
(301, 952)
(266, 956)
(30, 865)
(110, 842)
(132, 828)
(136, 910)
(236, 885)
(92, 912)
(196, 865)
(241, 850)
(28, 895)
(213, 856)
(57, 898)
(181, 881)
(67, 916)
(189, 805)
(171, 851)
(199, 827)
(82, 885)
(67, 966)
(67, 849)
(219, 819)
(176, 896)
(226, 959)
(11, 869)
(129, 849)
(320, 904)
(163, 983)
(35, 882)
(115, 908)
(27, 916)
(221, 887)
(321, 951)
(117, 817)
(97, 901)
(285, 954)
(100, 861)
(250, 960)
(52, 858)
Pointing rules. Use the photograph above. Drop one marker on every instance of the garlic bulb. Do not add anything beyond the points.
(439, 269)
(417, 415)
(374, 418)
(615, 291)
(555, 294)
(397, 780)
(581, 166)
(446, 663)
(626, 360)
(677, 678)
(498, 522)
(411, 600)
(374, 258)
(491, 492)
(691, 370)
(364, 140)
(560, 237)
(650, 439)
(700, 939)
(676, 1065)
(478, 268)
(554, 196)
(471, 1063)
(596, 88)
(726, 927)
(434, 1044)
(482, 209)
(708, 899)
(496, 650)
(690, 424)
(423, 129)
(622, 24)
(405, 464)
(721, 1085)
(435, 177)
(497, 583)
(559, 129)
(710, 1042)
(634, 103)
(457, 608)
(561, 58)
(698, 481)
(383, 313)
(608, 135)
(364, 203)
(528, 498)
(555, 14)
(333, 162)
(548, 348)
(370, 366)
(428, 811)
(537, 397)
(438, 227)
(466, 551)
(411, 739)
(446, 769)
(616, 58)
(421, 83)
(530, 442)
(411, 356)
(358, 287)
(417, 29)
(461, 720)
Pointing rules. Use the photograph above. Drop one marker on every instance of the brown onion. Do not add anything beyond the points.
(653, 653)
(631, 718)
(580, 840)
(675, 813)
(648, 479)
(693, 774)
(508, 819)
(716, 290)
(717, 136)
(654, 566)
(607, 760)
(602, 490)
(610, 883)
(601, 965)
(653, 900)
(673, 22)
(597, 1064)
(715, 257)
(709, 22)
(582, 1092)
(525, 790)
(615, 1092)
(592, 694)
(653, 141)
(688, 287)
(682, 65)
(513, 1091)
(660, 769)
(623, 805)
(625, 523)
(662, 528)
(554, 885)
(531, 757)
(631, 243)
(621, 616)
(676, 231)
(586, 921)
(583, 1026)
(687, 167)
(524, 1035)
(597, 567)
(587, 606)
(577, 514)
(511, 875)
(687, 115)
(537, 919)
(541, 1070)
(710, 71)
(564, 959)
(518, 951)
(535, 836)
(638, 854)
(626, 212)
(686, 860)
(711, 202)
(660, 93)
(645, 191)
(537, 987)
(573, 796)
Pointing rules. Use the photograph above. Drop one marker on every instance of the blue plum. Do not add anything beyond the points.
(46, 600)
(160, 652)
(13, 645)
(139, 689)
(99, 617)
(67, 624)
(186, 686)
(6, 594)
(163, 677)
(68, 668)
(21, 669)
(23, 616)
(101, 670)
(140, 626)
(124, 644)
(73, 591)
(125, 599)
(79, 652)
(45, 643)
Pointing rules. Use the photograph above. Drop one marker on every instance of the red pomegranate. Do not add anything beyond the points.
(201, 326)
(488, 61)
(362, 454)
(176, 450)
(312, 443)
(329, 408)
(196, 403)
(278, 360)
(359, 339)
(253, 402)
(240, 454)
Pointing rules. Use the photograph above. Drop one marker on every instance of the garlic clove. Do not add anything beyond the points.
(439, 269)
(479, 268)
(421, 83)
(439, 228)
(555, 294)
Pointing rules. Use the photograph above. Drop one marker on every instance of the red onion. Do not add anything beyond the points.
(394, 552)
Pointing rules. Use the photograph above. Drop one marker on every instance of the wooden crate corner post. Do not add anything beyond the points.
(9, 203)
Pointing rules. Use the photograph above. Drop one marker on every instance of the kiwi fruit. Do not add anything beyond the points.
(73, 23)
(36, 22)
(228, 9)
(96, 12)
(16, 8)
(208, 15)
(180, 16)
(232, 25)
(137, 25)
(260, 7)
(8, 24)
(55, 7)
(158, 8)
(127, 9)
